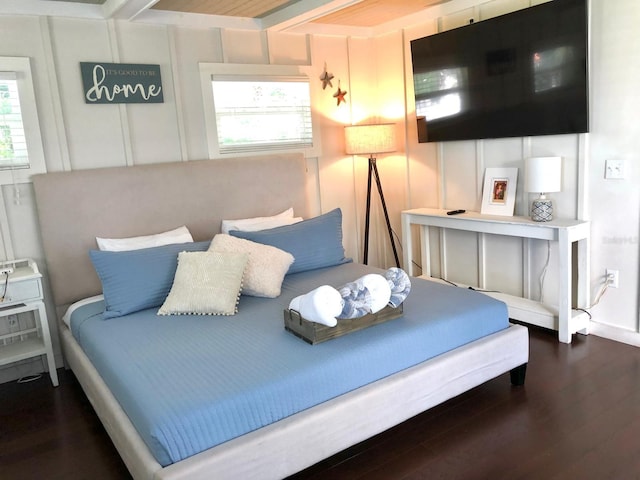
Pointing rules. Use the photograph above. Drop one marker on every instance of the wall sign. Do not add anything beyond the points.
(121, 83)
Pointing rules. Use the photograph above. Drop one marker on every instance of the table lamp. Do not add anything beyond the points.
(542, 175)
(369, 140)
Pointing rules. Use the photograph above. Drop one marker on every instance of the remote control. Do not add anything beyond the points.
(455, 212)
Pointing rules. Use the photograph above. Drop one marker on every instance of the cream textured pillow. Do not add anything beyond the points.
(266, 267)
(206, 283)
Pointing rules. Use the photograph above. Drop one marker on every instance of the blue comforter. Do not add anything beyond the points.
(189, 383)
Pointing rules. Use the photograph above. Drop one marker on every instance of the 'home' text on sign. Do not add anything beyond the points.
(121, 83)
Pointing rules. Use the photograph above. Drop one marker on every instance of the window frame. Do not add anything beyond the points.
(21, 66)
(260, 72)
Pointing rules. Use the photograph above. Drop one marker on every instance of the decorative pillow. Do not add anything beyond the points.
(138, 279)
(178, 235)
(260, 223)
(314, 243)
(266, 267)
(206, 283)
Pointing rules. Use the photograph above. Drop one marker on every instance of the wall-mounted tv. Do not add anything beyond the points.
(516, 75)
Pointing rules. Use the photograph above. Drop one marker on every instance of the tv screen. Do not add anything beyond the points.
(520, 74)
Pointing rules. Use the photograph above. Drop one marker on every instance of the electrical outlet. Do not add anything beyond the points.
(6, 270)
(612, 277)
(12, 321)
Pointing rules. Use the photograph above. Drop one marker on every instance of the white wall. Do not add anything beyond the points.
(615, 134)
(77, 135)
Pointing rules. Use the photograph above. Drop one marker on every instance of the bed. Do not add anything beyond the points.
(76, 207)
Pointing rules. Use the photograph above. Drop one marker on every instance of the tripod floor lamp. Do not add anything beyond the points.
(369, 140)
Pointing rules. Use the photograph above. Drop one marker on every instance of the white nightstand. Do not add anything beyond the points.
(21, 292)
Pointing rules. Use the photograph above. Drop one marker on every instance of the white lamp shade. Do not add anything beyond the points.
(543, 174)
(368, 139)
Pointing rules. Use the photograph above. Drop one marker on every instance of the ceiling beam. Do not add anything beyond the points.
(126, 9)
(53, 9)
(302, 12)
(197, 20)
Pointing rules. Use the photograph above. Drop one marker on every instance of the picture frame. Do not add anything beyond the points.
(499, 191)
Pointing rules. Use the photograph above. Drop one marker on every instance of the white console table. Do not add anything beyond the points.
(565, 232)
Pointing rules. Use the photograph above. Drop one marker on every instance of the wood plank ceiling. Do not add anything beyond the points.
(367, 13)
(233, 8)
(370, 13)
(279, 15)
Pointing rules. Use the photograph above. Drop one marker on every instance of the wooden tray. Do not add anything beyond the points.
(313, 333)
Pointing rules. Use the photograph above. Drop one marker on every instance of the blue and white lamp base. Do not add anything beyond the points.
(542, 210)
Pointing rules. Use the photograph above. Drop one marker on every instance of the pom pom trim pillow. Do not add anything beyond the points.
(314, 243)
(178, 235)
(138, 279)
(206, 283)
(266, 266)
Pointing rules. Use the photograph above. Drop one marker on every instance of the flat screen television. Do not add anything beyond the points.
(516, 75)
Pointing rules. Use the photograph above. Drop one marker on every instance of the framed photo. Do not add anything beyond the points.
(499, 191)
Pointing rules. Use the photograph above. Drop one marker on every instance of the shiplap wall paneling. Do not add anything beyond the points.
(193, 46)
(94, 132)
(153, 128)
(337, 172)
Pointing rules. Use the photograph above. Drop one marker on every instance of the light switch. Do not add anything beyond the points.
(614, 169)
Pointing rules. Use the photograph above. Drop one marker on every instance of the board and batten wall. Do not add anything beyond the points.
(78, 136)
(492, 262)
(454, 173)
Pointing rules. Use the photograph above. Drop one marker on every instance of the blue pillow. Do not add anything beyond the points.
(138, 279)
(314, 243)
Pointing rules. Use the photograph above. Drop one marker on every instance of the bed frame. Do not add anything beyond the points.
(75, 207)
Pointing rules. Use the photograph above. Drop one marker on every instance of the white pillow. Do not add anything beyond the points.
(206, 283)
(178, 235)
(266, 266)
(260, 223)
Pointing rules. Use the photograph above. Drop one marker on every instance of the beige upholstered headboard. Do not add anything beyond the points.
(75, 207)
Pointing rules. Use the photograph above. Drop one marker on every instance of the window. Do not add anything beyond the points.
(13, 146)
(21, 152)
(257, 108)
(262, 114)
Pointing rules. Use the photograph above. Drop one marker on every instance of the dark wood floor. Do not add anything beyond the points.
(577, 417)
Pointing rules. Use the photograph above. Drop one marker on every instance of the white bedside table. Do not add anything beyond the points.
(21, 292)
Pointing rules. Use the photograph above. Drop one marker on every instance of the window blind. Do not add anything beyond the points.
(13, 145)
(255, 113)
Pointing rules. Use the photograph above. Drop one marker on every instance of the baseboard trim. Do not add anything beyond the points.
(614, 333)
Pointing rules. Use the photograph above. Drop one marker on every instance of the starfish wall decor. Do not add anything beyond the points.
(326, 78)
(339, 95)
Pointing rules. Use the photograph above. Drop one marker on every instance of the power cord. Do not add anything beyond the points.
(608, 280)
(6, 285)
(544, 272)
(448, 281)
(29, 378)
(482, 290)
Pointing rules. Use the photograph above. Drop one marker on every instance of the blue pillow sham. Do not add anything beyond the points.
(314, 243)
(135, 280)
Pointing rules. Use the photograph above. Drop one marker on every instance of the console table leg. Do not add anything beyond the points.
(564, 285)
